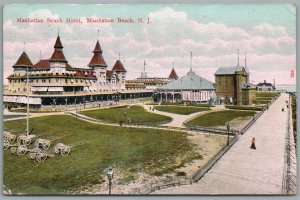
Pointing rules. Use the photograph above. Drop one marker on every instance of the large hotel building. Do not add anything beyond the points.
(54, 81)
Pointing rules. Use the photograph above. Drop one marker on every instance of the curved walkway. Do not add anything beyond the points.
(243, 170)
(178, 120)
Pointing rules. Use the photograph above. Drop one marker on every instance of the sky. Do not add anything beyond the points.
(265, 33)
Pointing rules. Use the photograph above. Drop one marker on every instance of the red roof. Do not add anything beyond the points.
(109, 73)
(173, 74)
(118, 67)
(97, 58)
(97, 48)
(44, 64)
(58, 55)
(23, 60)
(58, 44)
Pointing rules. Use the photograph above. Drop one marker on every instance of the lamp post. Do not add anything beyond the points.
(110, 176)
(27, 83)
(228, 128)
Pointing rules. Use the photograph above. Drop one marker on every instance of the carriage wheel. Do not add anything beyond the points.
(12, 139)
(36, 143)
(46, 145)
(32, 156)
(6, 145)
(44, 157)
(27, 141)
(21, 150)
(65, 151)
(39, 157)
(36, 150)
(19, 140)
(13, 150)
(56, 149)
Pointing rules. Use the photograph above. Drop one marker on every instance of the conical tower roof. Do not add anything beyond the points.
(23, 61)
(97, 48)
(97, 59)
(173, 74)
(58, 54)
(118, 67)
(58, 43)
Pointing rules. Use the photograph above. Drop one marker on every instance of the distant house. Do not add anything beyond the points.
(265, 87)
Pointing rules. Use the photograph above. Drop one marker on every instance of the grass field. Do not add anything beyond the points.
(127, 150)
(182, 110)
(266, 94)
(181, 104)
(12, 116)
(219, 118)
(137, 114)
(243, 107)
(264, 97)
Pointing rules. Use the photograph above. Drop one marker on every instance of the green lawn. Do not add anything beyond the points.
(181, 104)
(243, 107)
(12, 116)
(264, 97)
(182, 110)
(127, 150)
(266, 94)
(137, 114)
(219, 118)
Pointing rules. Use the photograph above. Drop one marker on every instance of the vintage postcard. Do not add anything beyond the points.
(149, 99)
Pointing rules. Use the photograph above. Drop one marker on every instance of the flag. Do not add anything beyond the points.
(292, 73)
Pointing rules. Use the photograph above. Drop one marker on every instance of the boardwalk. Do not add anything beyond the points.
(243, 170)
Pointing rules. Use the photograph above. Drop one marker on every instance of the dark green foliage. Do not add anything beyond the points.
(182, 110)
(137, 114)
(219, 118)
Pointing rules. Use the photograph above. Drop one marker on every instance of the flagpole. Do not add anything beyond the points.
(27, 126)
(191, 60)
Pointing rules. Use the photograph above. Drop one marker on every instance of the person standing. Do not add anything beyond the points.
(253, 144)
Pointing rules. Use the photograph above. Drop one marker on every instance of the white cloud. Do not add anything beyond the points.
(171, 36)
